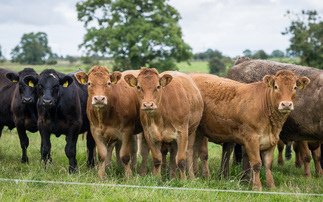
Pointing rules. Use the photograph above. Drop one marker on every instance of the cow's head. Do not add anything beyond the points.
(284, 85)
(48, 87)
(149, 86)
(99, 82)
(27, 91)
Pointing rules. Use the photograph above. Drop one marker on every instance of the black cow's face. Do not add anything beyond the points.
(27, 91)
(48, 88)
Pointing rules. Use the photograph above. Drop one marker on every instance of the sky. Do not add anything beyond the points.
(230, 26)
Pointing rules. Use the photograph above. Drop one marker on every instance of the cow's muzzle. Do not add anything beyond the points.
(27, 100)
(148, 106)
(99, 101)
(47, 103)
(286, 106)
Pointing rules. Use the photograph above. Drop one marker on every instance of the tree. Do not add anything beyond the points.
(33, 49)
(306, 40)
(261, 54)
(2, 58)
(135, 32)
(71, 59)
(277, 54)
(247, 53)
(216, 66)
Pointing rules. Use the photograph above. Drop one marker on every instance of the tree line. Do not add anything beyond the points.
(146, 33)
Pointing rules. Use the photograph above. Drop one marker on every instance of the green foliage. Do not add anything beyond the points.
(261, 54)
(135, 33)
(33, 49)
(306, 32)
(2, 59)
(71, 59)
(277, 54)
(247, 53)
(216, 66)
(51, 62)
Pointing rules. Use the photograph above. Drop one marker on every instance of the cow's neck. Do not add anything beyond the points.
(103, 114)
(276, 118)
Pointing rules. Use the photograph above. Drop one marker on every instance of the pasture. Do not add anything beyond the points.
(85, 184)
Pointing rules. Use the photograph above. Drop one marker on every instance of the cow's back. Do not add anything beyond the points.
(306, 121)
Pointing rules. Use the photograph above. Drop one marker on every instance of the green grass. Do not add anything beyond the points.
(287, 178)
(193, 67)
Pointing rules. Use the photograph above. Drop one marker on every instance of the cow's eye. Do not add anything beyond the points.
(88, 83)
(276, 87)
(295, 87)
(158, 87)
(138, 88)
(109, 83)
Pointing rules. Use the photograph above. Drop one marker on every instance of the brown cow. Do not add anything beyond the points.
(113, 112)
(249, 114)
(171, 109)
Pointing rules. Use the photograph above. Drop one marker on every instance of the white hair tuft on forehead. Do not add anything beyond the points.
(51, 74)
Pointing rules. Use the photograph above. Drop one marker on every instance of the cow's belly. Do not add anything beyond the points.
(161, 134)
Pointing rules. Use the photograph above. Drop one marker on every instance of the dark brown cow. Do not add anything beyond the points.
(113, 112)
(249, 114)
(305, 122)
(171, 109)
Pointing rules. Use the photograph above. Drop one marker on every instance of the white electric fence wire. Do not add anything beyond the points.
(164, 188)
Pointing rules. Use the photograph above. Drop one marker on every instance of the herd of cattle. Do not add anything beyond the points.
(258, 106)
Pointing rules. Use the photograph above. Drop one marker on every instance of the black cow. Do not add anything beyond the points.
(61, 107)
(18, 104)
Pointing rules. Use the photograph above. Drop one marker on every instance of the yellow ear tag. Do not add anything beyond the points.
(31, 84)
(83, 81)
(15, 81)
(132, 84)
(114, 82)
(302, 87)
(65, 84)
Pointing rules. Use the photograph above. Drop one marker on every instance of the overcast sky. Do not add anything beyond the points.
(230, 26)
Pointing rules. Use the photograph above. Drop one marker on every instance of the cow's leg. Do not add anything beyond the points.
(45, 145)
(155, 148)
(268, 157)
(203, 153)
(246, 168)
(252, 149)
(298, 160)
(24, 142)
(110, 148)
(90, 144)
(315, 148)
(182, 144)
(164, 151)
(189, 155)
(321, 156)
(196, 152)
(227, 149)
(288, 151)
(70, 151)
(144, 151)
(125, 151)
(133, 152)
(172, 160)
(306, 157)
(237, 155)
(280, 147)
(118, 148)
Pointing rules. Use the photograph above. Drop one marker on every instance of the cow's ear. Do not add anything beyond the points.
(269, 81)
(30, 80)
(115, 77)
(81, 77)
(131, 80)
(14, 77)
(66, 81)
(302, 82)
(165, 80)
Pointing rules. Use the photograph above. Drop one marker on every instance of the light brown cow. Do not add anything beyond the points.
(171, 109)
(113, 112)
(249, 114)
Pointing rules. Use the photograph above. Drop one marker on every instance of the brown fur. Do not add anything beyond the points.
(118, 119)
(247, 114)
(171, 108)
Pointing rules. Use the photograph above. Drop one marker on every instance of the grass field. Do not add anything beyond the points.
(288, 179)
